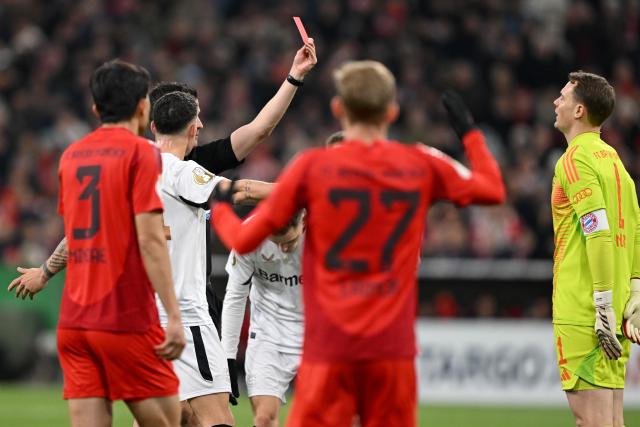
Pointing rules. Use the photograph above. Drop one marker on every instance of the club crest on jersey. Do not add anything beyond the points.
(589, 223)
(201, 176)
(267, 258)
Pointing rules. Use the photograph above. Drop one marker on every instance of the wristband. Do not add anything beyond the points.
(294, 81)
(47, 273)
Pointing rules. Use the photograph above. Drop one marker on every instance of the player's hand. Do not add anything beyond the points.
(233, 378)
(633, 304)
(30, 282)
(459, 115)
(174, 341)
(631, 328)
(606, 324)
(223, 192)
(304, 60)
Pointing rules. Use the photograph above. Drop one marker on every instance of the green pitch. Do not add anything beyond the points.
(22, 406)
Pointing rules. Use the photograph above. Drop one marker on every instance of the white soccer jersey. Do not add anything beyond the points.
(184, 187)
(276, 305)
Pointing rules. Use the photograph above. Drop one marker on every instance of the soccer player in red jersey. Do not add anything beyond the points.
(110, 342)
(366, 199)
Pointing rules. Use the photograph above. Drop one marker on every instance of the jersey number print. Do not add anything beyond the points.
(90, 192)
(333, 261)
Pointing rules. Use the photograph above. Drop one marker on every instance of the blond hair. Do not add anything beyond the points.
(366, 89)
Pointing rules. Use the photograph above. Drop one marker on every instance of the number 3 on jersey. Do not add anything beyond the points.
(92, 192)
(333, 260)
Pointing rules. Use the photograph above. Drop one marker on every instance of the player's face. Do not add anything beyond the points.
(288, 242)
(565, 105)
(193, 142)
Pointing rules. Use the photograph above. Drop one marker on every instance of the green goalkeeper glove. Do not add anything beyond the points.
(606, 324)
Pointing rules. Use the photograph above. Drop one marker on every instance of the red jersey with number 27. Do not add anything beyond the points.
(107, 178)
(366, 208)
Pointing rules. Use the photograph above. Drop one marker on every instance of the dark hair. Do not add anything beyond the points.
(117, 87)
(293, 222)
(334, 138)
(595, 93)
(173, 112)
(163, 88)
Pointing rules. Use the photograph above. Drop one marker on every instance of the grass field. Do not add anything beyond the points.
(22, 406)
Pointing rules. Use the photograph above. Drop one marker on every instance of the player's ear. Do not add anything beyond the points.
(579, 111)
(337, 108)
(192, 130)
(392, 113)
(153, 127)
(95, 110)
(143, 108)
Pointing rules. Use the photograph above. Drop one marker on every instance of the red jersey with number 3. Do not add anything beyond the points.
(366, 209)
(106, 179)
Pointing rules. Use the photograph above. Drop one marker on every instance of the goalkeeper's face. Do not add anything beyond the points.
(565, 108)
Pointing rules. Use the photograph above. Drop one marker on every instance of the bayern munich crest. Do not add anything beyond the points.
(589, 223)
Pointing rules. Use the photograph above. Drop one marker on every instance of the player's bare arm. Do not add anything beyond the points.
(250, 192)
(247, 137)
(155, 256)
(33, 280)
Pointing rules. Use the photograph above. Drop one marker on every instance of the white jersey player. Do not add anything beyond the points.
(271, 277)
(185, 188)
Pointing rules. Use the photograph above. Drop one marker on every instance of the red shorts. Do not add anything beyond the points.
(381, 392)
(115, 366)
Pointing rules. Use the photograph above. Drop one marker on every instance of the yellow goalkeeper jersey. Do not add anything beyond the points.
(590, 176)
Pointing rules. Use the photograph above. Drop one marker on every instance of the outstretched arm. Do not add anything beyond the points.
(247, 137)
(33, 280)
(250, 192)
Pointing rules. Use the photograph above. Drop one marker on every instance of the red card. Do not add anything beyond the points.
(303, 32)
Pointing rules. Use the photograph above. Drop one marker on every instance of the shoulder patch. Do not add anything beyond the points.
(201, 176)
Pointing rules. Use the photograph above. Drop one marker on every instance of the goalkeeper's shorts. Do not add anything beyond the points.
(581, 362)
(331, 394)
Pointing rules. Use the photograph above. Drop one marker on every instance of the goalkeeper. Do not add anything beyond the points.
(597, 255)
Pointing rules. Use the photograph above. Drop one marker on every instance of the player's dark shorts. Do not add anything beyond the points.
(382, 392)
(114, 366)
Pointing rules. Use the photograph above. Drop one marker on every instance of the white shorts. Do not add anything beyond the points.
(202, 368)
(269, 371)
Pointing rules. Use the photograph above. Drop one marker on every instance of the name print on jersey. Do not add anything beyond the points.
(290, 281)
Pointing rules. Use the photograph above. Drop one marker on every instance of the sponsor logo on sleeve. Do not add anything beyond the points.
(201, 176)
(581, 195)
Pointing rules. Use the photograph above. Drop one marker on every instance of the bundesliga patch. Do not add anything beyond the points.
(201, 176)
(594, 221)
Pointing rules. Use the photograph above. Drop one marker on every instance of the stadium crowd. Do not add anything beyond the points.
(508, 59)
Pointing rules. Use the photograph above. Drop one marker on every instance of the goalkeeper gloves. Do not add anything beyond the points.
(631, 315)
(233, 378)
(606, 324)
(459, 115)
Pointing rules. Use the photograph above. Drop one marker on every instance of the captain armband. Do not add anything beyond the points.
(594, 221)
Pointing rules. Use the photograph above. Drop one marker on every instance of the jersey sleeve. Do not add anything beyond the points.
(216, 156)
(240, 270)
(455, 182)
(192, 182)
(60, 192)
(579, 180)
(146, 169)
(270, 215)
